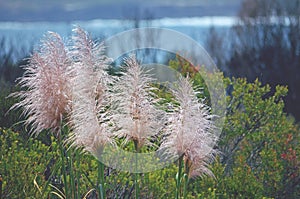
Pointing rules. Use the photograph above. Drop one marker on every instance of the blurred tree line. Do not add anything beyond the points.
(10, 70)
(264, 44)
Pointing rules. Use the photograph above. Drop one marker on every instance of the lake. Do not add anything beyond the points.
(21, 37)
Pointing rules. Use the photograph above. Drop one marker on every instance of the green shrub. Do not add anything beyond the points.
(259, 155)
(259, 143)
(21, 165)
(261, 140)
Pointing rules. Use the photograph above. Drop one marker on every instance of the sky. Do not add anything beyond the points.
(58, 10)
(36, 4)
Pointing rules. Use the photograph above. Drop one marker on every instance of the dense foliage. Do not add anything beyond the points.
(259, 155)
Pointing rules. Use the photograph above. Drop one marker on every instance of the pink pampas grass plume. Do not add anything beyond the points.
(46, 99)
(89, 117)
(136, 115)
(190, 132)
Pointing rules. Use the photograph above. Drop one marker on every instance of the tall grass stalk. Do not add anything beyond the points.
(178, 177)
(72, 175)
(89, 115)
(101, 181)
(190, 135)
(135, 115)
(185, 185)
(63, 163)
(136, 185)
(77, 156)
(136, 175)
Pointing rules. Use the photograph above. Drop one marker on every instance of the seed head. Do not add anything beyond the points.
(190, 132)
(46, 96)
(136, 115)
(90, 116)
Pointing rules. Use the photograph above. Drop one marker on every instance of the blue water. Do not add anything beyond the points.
(21, 38)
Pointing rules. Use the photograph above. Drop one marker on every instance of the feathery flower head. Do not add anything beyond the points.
(46, 80)
(90, 94)
(190, 132)
(136, 115)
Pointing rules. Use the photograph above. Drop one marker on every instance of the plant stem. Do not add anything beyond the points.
(178, 177)
(77, 172)
(64, 172)
(186, 181)
(72, 176)
(187, 165)
(136, 175)
(101, 188)
(136, 185)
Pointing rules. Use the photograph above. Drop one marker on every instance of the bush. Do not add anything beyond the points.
(259, 156)
(260, 140)
(21, 165)
(259, 144)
